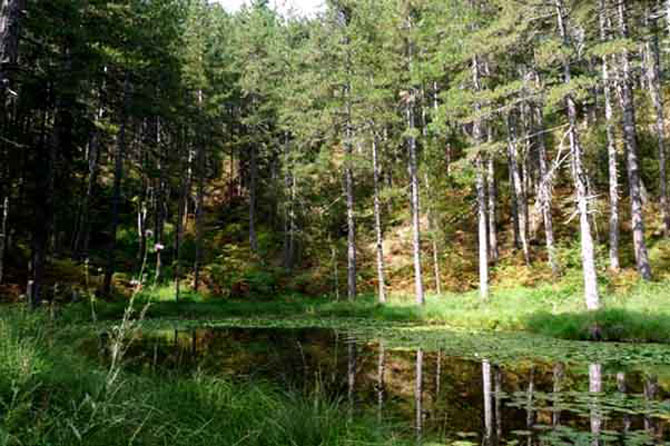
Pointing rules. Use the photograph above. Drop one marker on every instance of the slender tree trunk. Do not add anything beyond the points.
(579, 174)
(289, 210)
(632, 160)
(10, 31)
(432, 228)
(3, 235)
(482, 229)
(655, 82)
(492, 218)
(81, 241)
(179, 228)
(611, 149)
(519, 190)
(349, 192)
(545, 191)
(253, 167)
(410, 103)
(351, 229)
(199, 211)
(513, 203)
(160, 202)
(378, 223)
(116, 194)
(482, 214)
(416, 211)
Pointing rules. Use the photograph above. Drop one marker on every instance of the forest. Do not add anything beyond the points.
(438, 222)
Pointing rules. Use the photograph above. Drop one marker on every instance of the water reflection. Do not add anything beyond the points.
(437, 397)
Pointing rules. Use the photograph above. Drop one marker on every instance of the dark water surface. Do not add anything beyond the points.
(433, 393)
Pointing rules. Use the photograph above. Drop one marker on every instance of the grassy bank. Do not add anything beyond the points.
(50, 394)
(637, 313)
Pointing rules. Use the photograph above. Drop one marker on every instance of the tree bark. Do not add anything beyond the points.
(160, 207)
(10, 30)
(655, 91)
(199, 212)
(545, 191)
(416, 211)
(611, 149)
(579, 174)
(482, 215)
(378, 223)
(492, 218)
(519, 190)
(632, 160)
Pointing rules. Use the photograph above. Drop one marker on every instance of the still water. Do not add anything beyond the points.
(442, 393)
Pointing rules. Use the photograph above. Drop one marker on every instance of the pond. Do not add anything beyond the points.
(451, 389)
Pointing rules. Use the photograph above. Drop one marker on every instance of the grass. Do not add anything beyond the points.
(49, 394)
(636, 312)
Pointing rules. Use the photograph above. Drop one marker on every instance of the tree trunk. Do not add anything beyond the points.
(519, 190)
(253, 168)
(654, 83)
(10, 30)
(116, 194)
(482, 215)
(378, 223)
(482, 229)
(351, 228)
(179, 230)
(349, 191)
(545, 191)
(611, 150)
(632, 160)
(160, 208)
(492, 219)
(199, 211)
(3, 235)
(416, 211)
(513, 203)
(579, 174)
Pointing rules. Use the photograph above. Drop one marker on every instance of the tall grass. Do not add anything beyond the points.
(50, 394)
